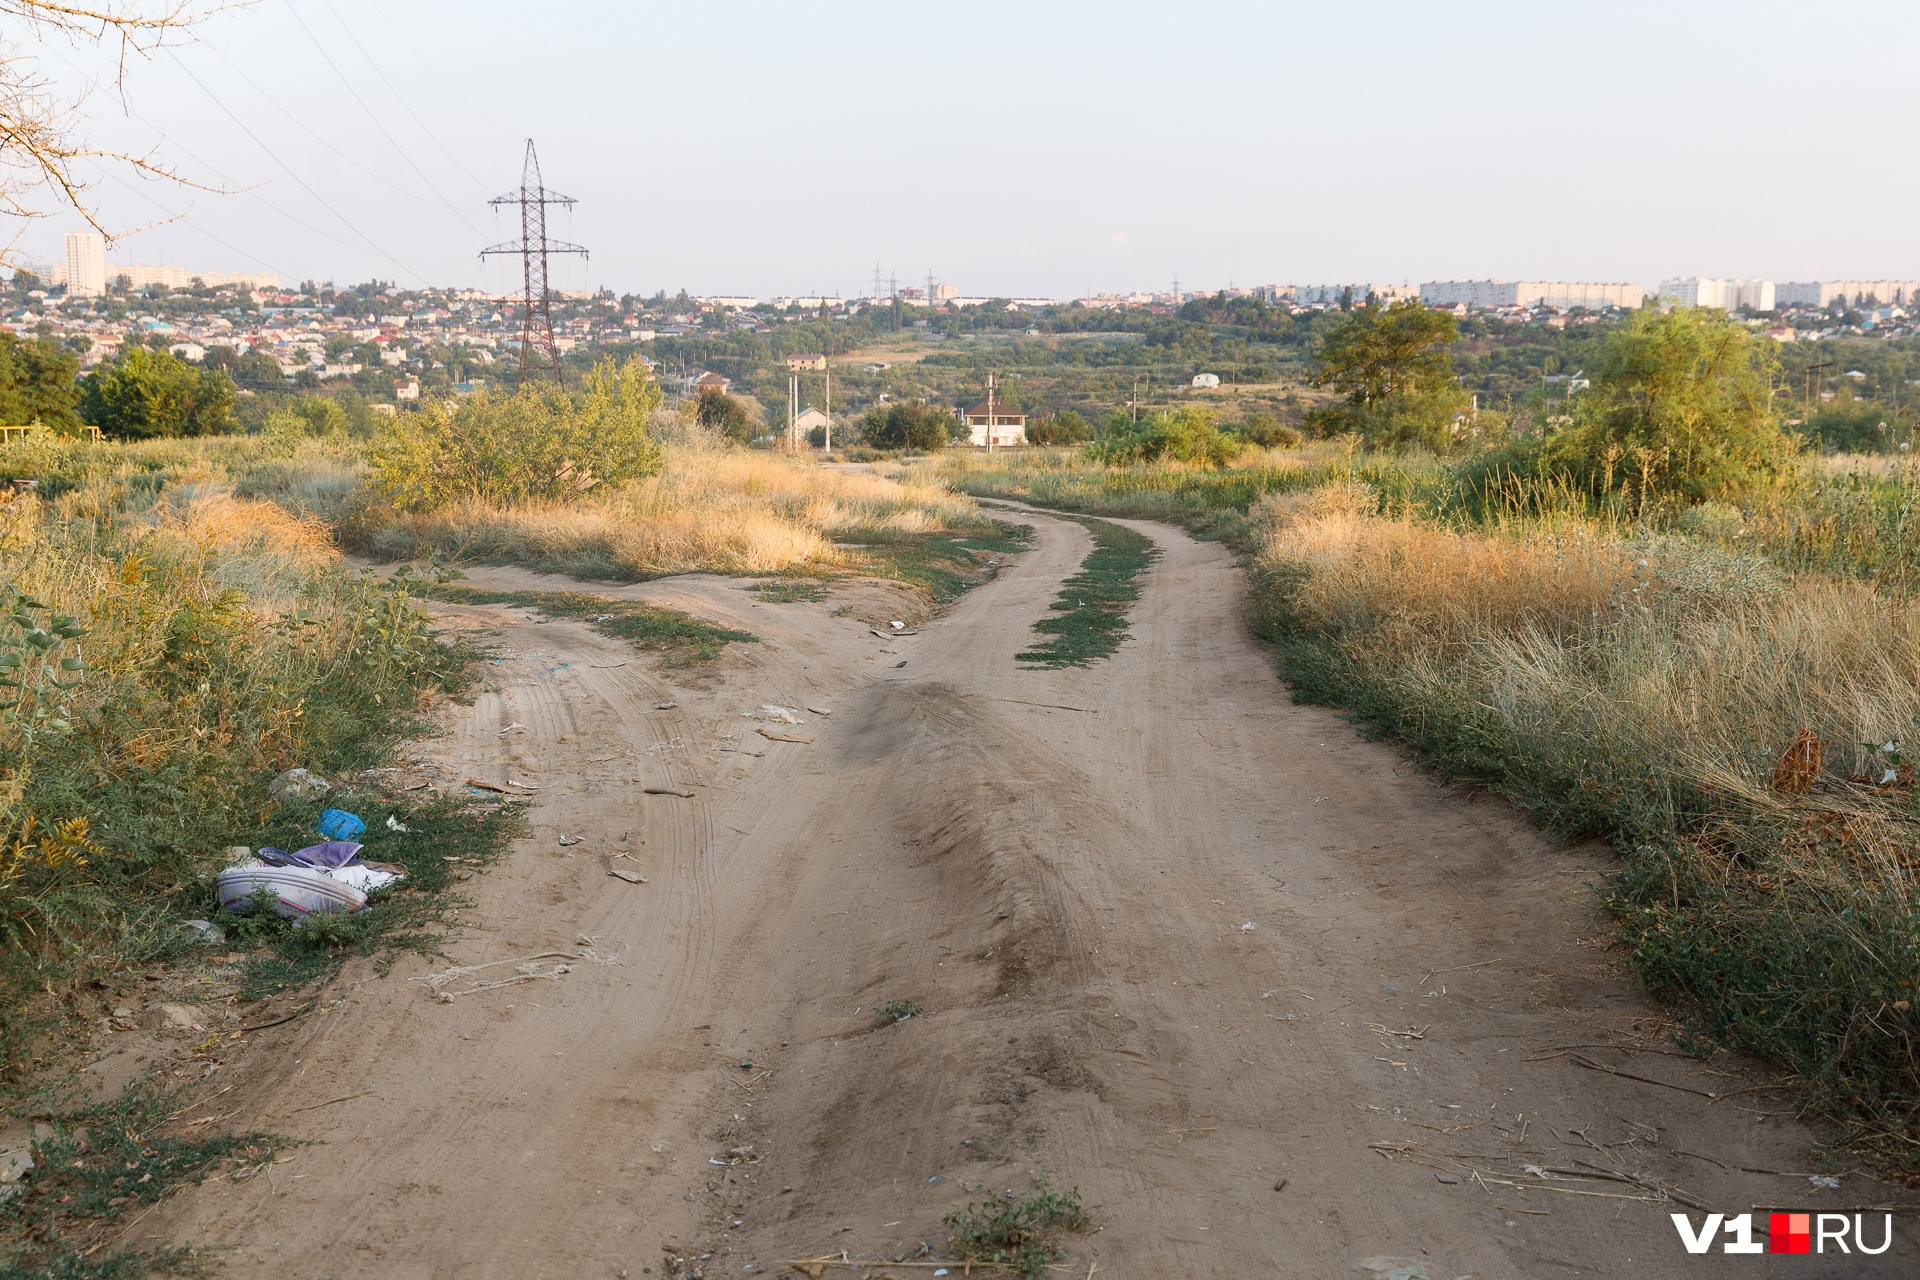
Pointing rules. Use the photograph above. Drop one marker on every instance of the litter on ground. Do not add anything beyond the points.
(772, 736)
(320, 878)
(631, 877)
(544, 965)
(298, 784)
(566, 840)
(668, 791)
(338, 824)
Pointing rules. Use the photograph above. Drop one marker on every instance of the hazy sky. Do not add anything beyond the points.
(1038, 147)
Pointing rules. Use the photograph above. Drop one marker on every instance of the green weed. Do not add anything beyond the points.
(1091, 610)
(895, 1011)
(646, 627)
(790, 591)
(1016, 1230)
(100, 1160)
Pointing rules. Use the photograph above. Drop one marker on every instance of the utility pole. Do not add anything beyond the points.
(829, 427)
(793, 411)
(1812, 369)
(989, 415)
(539, 357)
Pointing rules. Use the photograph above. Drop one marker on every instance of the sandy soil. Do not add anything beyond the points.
(1275, 1002)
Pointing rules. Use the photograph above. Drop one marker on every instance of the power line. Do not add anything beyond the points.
(376, 119)
(402, 101)
(319, 137)
(185, 222)
(283, 164)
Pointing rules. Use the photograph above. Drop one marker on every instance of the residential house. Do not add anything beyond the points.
(802, 363)
(1007, 426)
(711, 381)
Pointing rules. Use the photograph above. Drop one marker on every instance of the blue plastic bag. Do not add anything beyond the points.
(338, 824)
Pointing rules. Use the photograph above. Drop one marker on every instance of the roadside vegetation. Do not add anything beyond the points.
(1651, 612)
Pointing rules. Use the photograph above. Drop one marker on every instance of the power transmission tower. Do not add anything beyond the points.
(539, 357)
(929, 286)
(876, 282)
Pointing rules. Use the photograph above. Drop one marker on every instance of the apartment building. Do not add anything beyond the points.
(1852, 293)
(1561, 295)
(1727, 294)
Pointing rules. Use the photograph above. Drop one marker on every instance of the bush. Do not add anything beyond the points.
(1681, 408)
(539, 443)
(1064, 427)
(1188, 435)
(1859, 426)
(1267, 431)
(911, 424)
(718, 411)
(153, 393)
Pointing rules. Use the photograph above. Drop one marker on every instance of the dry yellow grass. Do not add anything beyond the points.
(1648, 690)
(724, 510)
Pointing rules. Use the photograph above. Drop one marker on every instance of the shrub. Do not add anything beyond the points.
(153, 393)
(1064, 427)
(537, 444)
(1188, 435)
(1681, 408)
(911, 424)
(1267, 431)
(717, 411)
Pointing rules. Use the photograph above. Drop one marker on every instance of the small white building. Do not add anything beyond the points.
(808, 419)
(1006, 426)
(406, 388)
(192, 352)
(1206, 379)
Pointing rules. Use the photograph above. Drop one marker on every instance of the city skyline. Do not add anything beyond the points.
(1068, 151)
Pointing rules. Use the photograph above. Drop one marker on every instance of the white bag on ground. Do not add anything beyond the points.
(297, 891)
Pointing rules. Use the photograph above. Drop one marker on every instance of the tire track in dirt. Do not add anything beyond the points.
(1065, 894)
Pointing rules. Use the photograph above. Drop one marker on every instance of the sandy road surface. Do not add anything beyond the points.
(1173, 948)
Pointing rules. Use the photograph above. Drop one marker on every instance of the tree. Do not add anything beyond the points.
(36, 383)
(1394, 369)
(910, 424)
(1376, 354)
(538, 444)
(1064, 427)
(153, 393)
(717, 411)
(1682, 406)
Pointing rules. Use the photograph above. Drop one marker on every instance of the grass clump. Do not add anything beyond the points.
(1017, 1230)
(790, 591)
(646, 627)
(100, 1160)
(895, 1011)
(1091, 610)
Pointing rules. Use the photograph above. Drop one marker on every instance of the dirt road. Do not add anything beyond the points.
(1276, 1003)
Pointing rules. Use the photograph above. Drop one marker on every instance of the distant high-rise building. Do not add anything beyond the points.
(1558, 294)
(1824, 293)
(86, 264)
(1730, 295)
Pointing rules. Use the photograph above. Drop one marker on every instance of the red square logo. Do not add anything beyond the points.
(1790, 1233)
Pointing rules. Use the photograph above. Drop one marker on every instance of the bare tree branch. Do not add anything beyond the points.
(41, 146)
